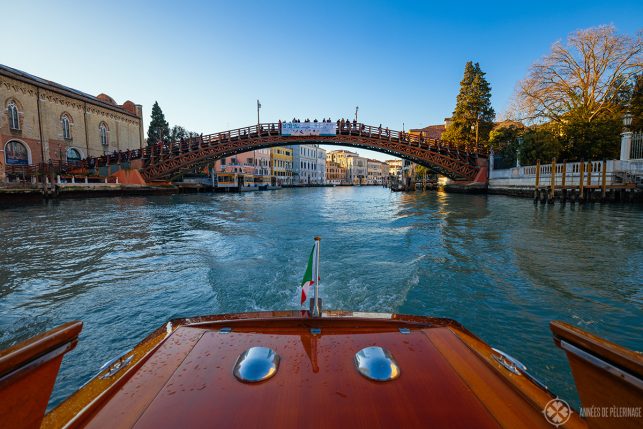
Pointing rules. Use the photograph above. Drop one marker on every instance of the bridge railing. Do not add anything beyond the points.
(47, 169)
(163, 150)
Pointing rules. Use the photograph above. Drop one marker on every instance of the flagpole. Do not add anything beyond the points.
(316, 308)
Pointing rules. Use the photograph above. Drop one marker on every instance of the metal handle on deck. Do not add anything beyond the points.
(516, 367)
(115, 365)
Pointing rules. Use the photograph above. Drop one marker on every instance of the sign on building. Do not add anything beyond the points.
(308, 129)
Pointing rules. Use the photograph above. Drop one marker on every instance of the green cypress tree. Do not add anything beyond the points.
(159, 129)
(473, 112)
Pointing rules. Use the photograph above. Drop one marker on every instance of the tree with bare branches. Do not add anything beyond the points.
(578, 94)
(636, 104)
(585, 78)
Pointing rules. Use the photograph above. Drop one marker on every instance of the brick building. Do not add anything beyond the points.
(42, 120)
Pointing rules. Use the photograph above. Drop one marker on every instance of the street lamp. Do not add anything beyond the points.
(627, 119)
(258, 107)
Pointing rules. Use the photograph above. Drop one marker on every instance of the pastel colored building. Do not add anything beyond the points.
(256, 163)
(262, 165)
(356, 166)
(242, 163)
(335, 173)
(377, 172)
(309, 164)
(395, 167)
(281, 165)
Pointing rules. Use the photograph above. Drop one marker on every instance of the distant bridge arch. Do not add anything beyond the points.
(166, 161)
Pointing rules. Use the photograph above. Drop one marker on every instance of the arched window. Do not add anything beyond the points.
(16, 153)
(14, 122)
(102, 129)
(73, 155)
(66, 128)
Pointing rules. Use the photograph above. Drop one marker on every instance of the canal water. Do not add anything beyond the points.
(501, 266)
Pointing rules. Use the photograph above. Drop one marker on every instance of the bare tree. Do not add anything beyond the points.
(586, 77)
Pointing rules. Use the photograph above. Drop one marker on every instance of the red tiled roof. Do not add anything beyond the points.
(431, 131)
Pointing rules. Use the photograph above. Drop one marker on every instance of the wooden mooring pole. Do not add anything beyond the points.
(604, 181)
(581, 180)
(537, 181)
(552, 182)
(589, 180)
(563, 181)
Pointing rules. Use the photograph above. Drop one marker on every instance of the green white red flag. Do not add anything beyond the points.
(308, 280)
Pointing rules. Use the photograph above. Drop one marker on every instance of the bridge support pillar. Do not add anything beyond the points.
(483, 174)
(479, 183)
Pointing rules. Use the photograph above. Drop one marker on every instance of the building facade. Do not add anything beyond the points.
(262, 165)
(309, 164)
(335, 173)
(377, 172)
(356, 166)
(43, 121)
(256, 163)
(395, 167)
(281, 165)
(242, 163)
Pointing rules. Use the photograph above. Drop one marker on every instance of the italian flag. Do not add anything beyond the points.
(309, 275)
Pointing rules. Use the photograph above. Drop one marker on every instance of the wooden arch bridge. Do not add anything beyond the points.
(165, 161)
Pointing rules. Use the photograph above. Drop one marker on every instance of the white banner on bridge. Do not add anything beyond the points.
(308, 129)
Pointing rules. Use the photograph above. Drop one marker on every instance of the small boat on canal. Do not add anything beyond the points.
(317, 368)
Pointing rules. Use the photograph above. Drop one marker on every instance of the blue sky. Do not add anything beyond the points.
(207, 63)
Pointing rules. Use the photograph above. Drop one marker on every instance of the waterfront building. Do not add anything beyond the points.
(256, 163)
(355, 165)
(309, 164)
(408, 168)
(262, 165)
(242, 163)
(377, 172)
(395, 167)
(400, 171)
(321, 165)
(281, 165)
(44, 121)
(357, 170)
(335, 173)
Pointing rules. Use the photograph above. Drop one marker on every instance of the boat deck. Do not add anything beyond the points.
(188, 380)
